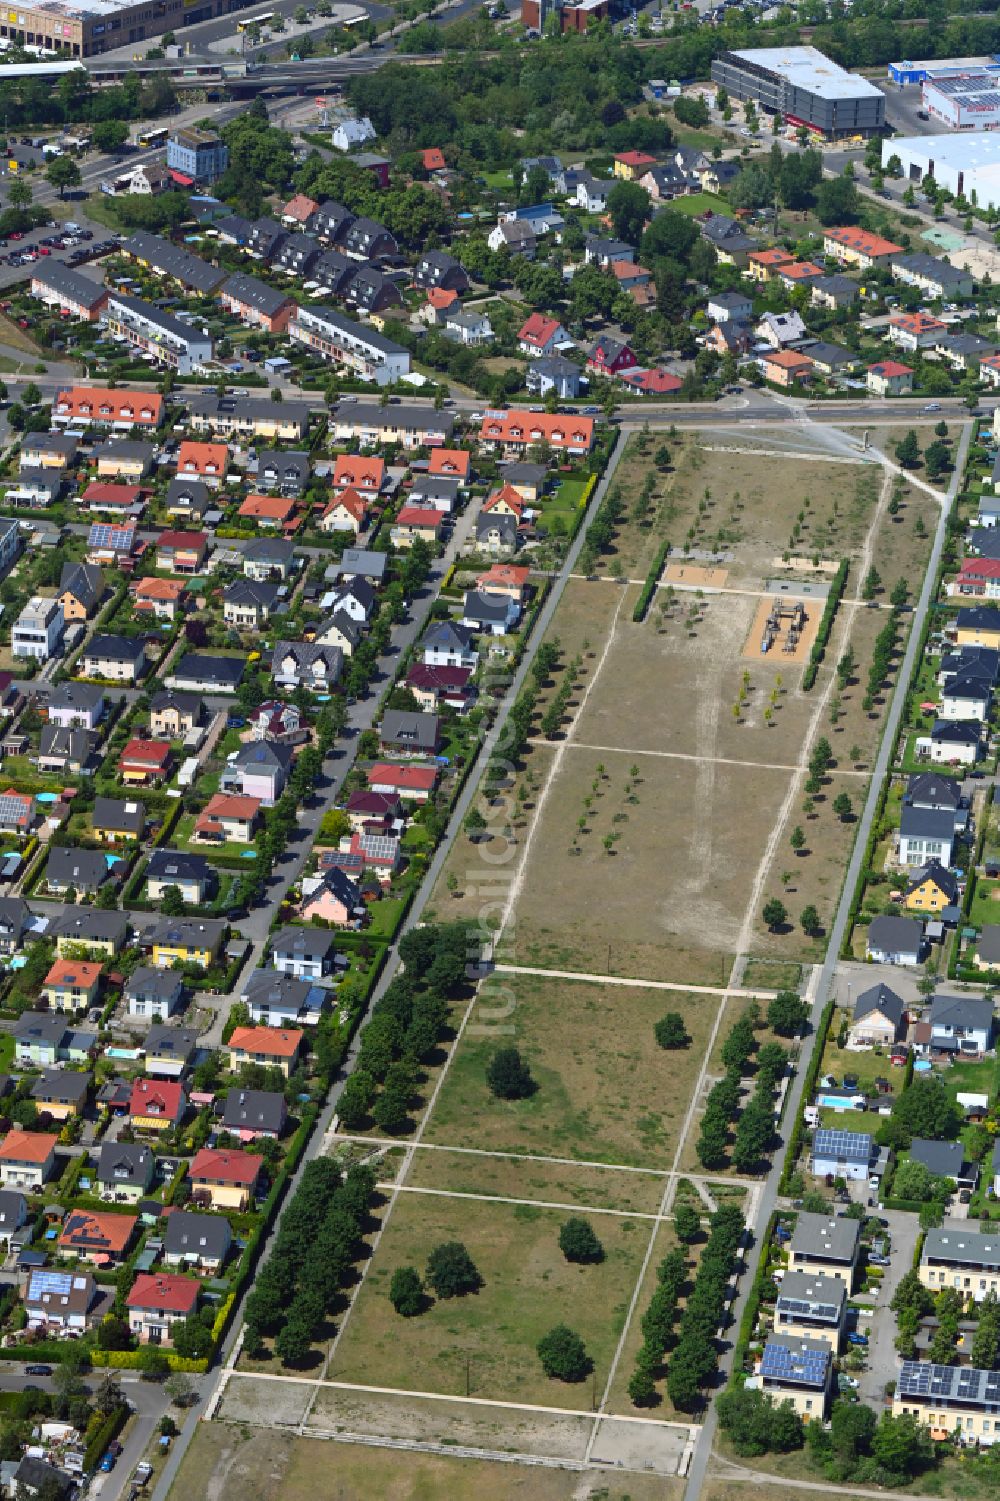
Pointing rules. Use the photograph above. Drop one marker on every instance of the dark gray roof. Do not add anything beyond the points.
(42, 1027)
(193, 493)
(13, 1209)
(119, 813)
(880, 998)
(303, 943)
(988, 944)
(175, 698)
(963, 1247)
(940, 874)
(62, 1085)
(486, 608)
(63, 742)
(68, 283)
(822, 1238)
(934, 791)
(896, 935)
(88, 925)
(263, 755)
(207, 1236)
(125, 1162)
(963, 1011)
(163, 1041)
(191, 932)
(114, 648)
(173, 261)
(254, 1110)
(126, 448)
(408, 728)
(202, 667)
(261, 595)
(363, 562)
(929, 823)
(943, 1158)
(269, 987)
(72, 695)
(84, 581)
(150, 983)
(13, 917)
(253, 292)
(167, 864)
(918, 263)
(272, 550)
(68, 865)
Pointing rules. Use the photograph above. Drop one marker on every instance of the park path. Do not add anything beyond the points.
(591, 977)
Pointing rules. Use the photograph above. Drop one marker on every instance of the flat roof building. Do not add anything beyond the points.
(83, 28)
(907, 72)
(967, 101)
(804, 87)
(964, 163)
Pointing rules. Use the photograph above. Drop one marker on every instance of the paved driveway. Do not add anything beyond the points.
(883, 1361)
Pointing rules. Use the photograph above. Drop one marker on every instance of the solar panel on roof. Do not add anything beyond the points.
(828, 1311)
(116, 538)
(847, 1144)
(791, 1363)
(59, 1283)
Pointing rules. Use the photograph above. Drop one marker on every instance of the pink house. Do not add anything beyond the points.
(262, 768)
(335, 899)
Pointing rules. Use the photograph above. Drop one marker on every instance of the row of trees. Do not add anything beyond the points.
(316, 1243)
(754, 1133)
(694, 1359)
(406, 1025)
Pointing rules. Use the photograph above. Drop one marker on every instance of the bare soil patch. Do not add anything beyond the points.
(791, 641)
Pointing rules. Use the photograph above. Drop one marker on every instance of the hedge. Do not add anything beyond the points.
(652, 579)
(132, 1360)
(907, 1206)
(808, 1085)
(825, 626)
(109, 1430)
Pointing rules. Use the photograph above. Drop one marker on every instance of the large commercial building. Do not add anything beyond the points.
(84, 28)
(967, 163)
(969, 101)
(908, 72)
(804, 87)
(196, 156)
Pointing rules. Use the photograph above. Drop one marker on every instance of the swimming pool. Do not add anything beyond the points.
(46, 797)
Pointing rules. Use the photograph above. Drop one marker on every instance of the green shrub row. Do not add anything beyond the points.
(797, 1132)
(652, 579)
(825, 626)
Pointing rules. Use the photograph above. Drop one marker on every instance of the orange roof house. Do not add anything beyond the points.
(109, 408)
(144, 760)
(784, 367)
(157, 1102)
(271, 510)
(454, 463)
(17, 811)
(204, 461)
(346, 512)
(158, 595)
(518, 430)
(764, 264)
(440, 300)
(507, 501)
(432, 158)
(367, 475)
(505, 578)
(27, 1146)
(100, 1238)
(264, 1045)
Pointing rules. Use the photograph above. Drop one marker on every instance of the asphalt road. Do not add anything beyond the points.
(769, 1197)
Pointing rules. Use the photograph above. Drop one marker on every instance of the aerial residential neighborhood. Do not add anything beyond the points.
(499, 727)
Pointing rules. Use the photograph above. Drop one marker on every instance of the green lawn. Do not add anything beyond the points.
(972, 1078)
(985, 906)
(699, 203)
(386, 915)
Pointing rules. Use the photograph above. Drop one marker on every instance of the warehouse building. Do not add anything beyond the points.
(967, 163)
(970, 101)
(804, 87)
(943, 67)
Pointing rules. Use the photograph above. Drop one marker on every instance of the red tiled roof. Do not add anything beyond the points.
(890, 367)
(420, 516)
(181, 541)
(146, 753)
(450, 461)
(157, 1097)
(862, 240)
(267, 508)
(112, 495)
(85, 1231)
(159, 1290)
(353, 503)
(202, 458)
(415, 778)
(101, 402)
(538, 329)
(27, 1146)
(216, 1165)
(358, 473)
(433, 159)
(72, 972)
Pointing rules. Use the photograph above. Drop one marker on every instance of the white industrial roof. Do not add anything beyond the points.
(807, 68)
(968, 151)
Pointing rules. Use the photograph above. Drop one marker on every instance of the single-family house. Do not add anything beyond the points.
(225, 1179)
(895, 940)
(157, 1301)
(879, 1019)
(196, 1240)
(153, 994)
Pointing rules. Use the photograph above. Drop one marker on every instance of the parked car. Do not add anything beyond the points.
(38, 1370)
(107, 1463)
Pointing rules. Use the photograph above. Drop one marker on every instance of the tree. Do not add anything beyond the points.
(153, 1363)
(356, 1099)
(172, 902)
(475, 823)
(578, 1242)
(670, 1031)
(191, 1338)
(986, 1340)
(109, 135)
(914, 1180)
(774, 914)
(628, 205)
(902, 1445)
(508, 1075)
(20, 195)
(451, 1271)
(925, 1109)
(837, 201)
(797, 839)
(754, 1134)
(787, 1013)
(63, 173)
(852, 1427)
(756, 1425)
(179, 1388)
(842, 806)
(563, 1355)
(811, 925)
(937, 458)
(900, 593)
(908, 450)
(687, 1223)
(406, 1292)
(872, 583)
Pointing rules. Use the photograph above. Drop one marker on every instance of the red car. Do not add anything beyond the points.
(16, 234)
(44, 250)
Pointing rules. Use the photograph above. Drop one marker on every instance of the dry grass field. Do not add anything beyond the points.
(523, 1177)
(528, 1286)
(606, 1092)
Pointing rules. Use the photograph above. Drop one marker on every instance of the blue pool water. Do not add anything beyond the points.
(248, 855)
(111, 860)
(46, 797)
(921, 1066)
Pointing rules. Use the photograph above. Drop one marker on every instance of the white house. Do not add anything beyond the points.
(350, 132)
(895, 940)
(961, 1024)
(925, 834)
(965, 698)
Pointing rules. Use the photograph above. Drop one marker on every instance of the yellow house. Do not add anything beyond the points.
(631, 165)
(979, 625)
(186, 941)
(61, 1093)
(122, 464)
(86, 934)
(931, 889)
(226, 1179)
(71, 984)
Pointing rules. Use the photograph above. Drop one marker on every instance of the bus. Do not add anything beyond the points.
(264, 19)
(150, 138)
